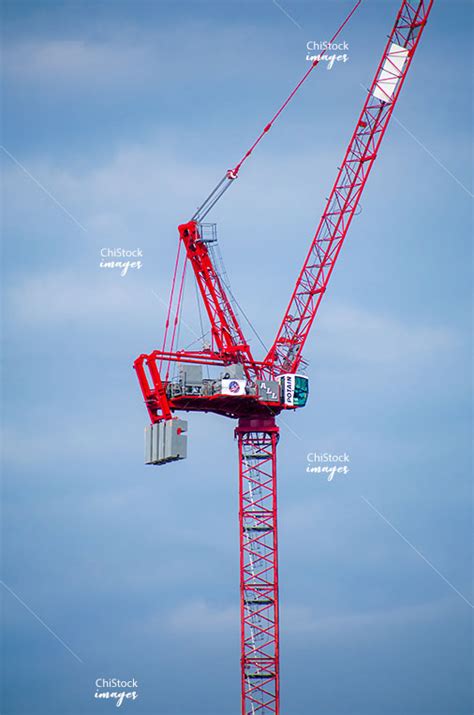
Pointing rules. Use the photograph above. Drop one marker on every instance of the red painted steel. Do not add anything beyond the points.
(257, 432)
(260, 657)
(226, 332)
(285, 354)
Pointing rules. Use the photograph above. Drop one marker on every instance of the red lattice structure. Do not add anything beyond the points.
(255, 392)
(260, 672)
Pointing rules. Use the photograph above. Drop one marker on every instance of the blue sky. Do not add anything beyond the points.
(126, 114)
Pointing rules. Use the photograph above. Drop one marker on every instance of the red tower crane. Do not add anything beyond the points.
(255, 392)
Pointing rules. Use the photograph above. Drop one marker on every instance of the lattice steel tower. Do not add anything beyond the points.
(255, 392)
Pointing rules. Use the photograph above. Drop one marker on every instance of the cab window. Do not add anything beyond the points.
(301, 391)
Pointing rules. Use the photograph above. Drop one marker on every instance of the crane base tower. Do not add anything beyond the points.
(260, 666)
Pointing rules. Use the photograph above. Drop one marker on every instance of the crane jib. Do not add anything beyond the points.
(286, 352)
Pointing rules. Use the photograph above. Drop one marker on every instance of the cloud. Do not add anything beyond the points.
(380, 340)
(54, 438)
(139, 193)
(129, 58)
(300, 620)
(199, 617)
(61, 296)
(76, 61)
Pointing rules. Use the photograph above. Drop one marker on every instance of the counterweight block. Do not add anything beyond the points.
(166, 441)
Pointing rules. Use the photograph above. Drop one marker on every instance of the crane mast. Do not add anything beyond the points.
(254, 393)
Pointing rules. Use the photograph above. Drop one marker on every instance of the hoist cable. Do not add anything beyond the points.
(177, 314)
(170, 304)
(292, 94)
(231, 174)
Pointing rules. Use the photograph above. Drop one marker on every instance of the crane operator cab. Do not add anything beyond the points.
(294, 389)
